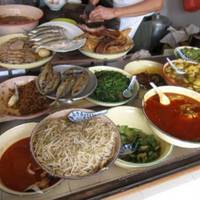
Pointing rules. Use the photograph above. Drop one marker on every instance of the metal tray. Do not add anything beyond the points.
(115, 179)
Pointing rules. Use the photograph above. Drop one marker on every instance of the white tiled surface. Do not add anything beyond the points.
(182, 186)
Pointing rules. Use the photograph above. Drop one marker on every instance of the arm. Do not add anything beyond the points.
(147, 6)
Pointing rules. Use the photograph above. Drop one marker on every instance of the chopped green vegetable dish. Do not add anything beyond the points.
(110, 87)
(147, 146)
(193, 54)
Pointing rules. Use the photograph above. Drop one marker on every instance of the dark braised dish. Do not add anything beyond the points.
(145, 78)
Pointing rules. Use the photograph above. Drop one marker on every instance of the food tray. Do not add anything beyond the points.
(115, 179)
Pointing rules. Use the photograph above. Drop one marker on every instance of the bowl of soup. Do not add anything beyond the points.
(177, 123)
(16, 18)
(19, 173)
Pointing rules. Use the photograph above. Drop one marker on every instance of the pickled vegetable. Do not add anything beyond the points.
(147, 146)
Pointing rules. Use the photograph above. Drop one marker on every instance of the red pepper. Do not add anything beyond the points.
(191, 5)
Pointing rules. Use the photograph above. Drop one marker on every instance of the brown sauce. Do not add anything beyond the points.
(15, 20)
(14, 164)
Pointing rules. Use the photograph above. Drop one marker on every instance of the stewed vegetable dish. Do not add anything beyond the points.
(181, 118)
(191, 79)
(147, 147)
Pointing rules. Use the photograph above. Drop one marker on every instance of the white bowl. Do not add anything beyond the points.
(109, 104)
(10, 137)
(20, 10)
(38, 63)
(162, 134)
(139, 66)
(133, 117)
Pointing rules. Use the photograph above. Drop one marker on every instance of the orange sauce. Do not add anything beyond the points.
(181, 118)
(14, 164)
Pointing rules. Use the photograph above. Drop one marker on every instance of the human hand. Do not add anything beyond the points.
(101, 13)
(94, 2)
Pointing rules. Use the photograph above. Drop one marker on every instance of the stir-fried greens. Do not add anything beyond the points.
(147, 147)
(192, 53)
(111, 85)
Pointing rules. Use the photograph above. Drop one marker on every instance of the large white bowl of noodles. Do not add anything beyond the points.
(74, 150)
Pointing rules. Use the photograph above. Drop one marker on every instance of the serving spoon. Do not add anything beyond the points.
(127, 93)
(128, 149)
(174, 67)
(78, 115)
(164, 100)
(182, 55)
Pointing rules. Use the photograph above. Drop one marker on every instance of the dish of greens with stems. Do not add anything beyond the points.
(147, 147)
(191, 53)
(110, 86)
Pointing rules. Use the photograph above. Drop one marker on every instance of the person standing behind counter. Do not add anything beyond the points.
(130, 12)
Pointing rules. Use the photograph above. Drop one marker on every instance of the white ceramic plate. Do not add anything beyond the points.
(109, 104)
(72, 31)
(38, 63)
(134, 118)
(10, 137)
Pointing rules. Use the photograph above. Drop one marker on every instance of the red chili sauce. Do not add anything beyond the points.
(181, 118)
(18, 169)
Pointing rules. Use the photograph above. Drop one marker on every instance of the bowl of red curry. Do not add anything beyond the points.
(177, 123)
(16, 18)
(19, 172)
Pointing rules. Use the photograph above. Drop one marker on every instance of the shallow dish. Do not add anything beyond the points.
(20, 10)
(133, 117)
(182, 56)
(38, 63)
(92, 83)
(109, 104)
(162, 134)
(64, 113)
(10, 137)
(5, 87)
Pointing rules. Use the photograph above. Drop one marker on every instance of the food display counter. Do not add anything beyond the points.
(112, 178)
(115, 179)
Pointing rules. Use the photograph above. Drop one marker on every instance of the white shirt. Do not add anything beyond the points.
(129, 22)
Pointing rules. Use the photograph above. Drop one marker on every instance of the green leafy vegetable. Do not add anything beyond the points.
(194, 54)
(147, 146)
(110, 87)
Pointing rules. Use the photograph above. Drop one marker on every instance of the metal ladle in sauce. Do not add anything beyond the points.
(164, 100)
